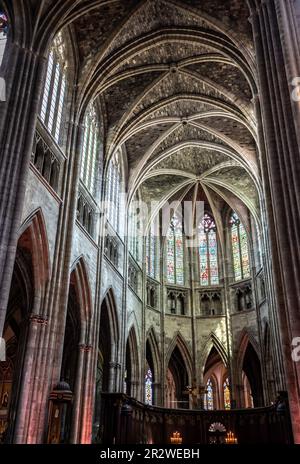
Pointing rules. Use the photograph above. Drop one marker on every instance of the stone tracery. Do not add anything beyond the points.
(177, 97)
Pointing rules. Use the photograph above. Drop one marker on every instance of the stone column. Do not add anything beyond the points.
(283, 166)
(156, 393)
(135, 387)
(24, 84)
(83, 405)
(31, 380)
(50, 348)
(227, 310)
(115, 370)
(288, 14)
(268, 229)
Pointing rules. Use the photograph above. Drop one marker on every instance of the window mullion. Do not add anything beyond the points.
(208, 257)
(88, 142)
(49, 100)
(175, 257)
(84, 149)
(94, 159)
(55, 117)
(53, 99)
(240, 252)
(47, 88)
(91, 157)
(60, 106)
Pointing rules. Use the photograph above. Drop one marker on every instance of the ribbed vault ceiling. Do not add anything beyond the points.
(177, 83)
(175, 80)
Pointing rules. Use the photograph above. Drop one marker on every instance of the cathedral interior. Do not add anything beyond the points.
(122, 123)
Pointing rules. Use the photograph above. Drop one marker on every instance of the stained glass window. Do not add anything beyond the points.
(114, 192)
(3, 23)
(226, 393)
(240, 252)
(208, 251)
(149, 387)
(209, 396)
(53, 101)
(152, 251)
(90, 149)
(3, 34)
(175, 253)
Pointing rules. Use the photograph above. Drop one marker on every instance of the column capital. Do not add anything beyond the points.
(39, 319)
(115, 365)
(85, 348)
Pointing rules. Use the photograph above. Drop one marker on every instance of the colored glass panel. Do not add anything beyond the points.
(152, 251)
(208, 252)
(226, 391)
(240, 251)
(175, 253)
(213, 257)
(3, 23)
(236, 253)
(209, 396)
(148, 387)
(171, 256)
(244, 252)
(179, 257)
(204, 272)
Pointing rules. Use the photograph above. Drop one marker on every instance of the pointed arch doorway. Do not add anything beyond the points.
(177, 380)
(107, 374)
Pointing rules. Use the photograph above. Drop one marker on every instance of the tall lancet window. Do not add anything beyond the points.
(114, 192)
(53, 102)
(3, 36)
(175, 253)
(208, 251)
(152, 251)
(226, 394)
(240, 251)
(149, 386)
(90, 149)
(209, 396)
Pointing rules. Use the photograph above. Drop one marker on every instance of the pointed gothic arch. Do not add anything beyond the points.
(132, 364)
(151, 340)
(76, 354)
(211, 396)
(212, 342)
(248, 362)
(179, 341)
(107, 357)
(216, 370)
(178, 372)
(80, 279)
(269, 362)
(246, 337)
(25, 306)
(109, 303)
(33, 236)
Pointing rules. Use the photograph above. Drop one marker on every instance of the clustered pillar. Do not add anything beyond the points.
(283, 170)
